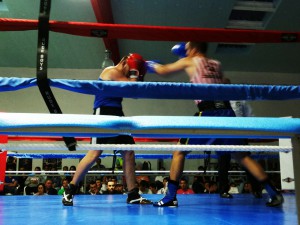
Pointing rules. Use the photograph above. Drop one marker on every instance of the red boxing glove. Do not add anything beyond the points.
(137, 66)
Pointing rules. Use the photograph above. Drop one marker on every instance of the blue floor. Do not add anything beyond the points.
(112, 209)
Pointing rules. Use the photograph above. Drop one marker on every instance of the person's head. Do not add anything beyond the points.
(137, 65)
(213, 187)
(165, 181)
(65, 168)
(98, 162)
(72, 168)
(183, 184)
(192, 48)
(143, 185)
(247, 188)
(119, 188)
(65, 183)
(111, 186)
(48, 184)
(41, 189)
(98, 183)
(127, 62)
(93, 187)
(153, 188)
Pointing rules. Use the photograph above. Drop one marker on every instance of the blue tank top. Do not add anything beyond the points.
(101, 100)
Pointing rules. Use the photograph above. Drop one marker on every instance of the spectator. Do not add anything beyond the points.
(153, 188)
(21, 180)
(93, 188)
(119, 189)
(49, 188)
(110, 187)
(32, 181)
(65, 183)
(184, 187)
(144, 187)
(98, 165)
(164, 189)
(11, 183)
(160, 177)
(40, 189)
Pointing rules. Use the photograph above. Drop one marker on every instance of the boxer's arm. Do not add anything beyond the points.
(179, 65)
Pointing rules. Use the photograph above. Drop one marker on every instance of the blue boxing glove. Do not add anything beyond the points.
(179, 50)
(151, 66)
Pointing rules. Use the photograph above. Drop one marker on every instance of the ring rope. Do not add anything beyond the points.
(158, 147)
(162, 90)
(139, 172)
(154, 33)
(137, 156)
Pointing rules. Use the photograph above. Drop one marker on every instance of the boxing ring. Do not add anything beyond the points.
(112, 209)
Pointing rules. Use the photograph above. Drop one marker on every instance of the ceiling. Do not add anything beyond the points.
(19, 48)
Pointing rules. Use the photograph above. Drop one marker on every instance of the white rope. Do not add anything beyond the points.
(147, 147)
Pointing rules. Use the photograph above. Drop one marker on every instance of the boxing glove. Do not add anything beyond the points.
(136, 65)
(150, 65)
(179, 50)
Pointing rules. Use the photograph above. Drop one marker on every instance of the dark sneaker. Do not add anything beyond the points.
(226, 195)
(165, 202)
(275, 201)
(68, 195)
(140, 200)
(135, 198)
(257, 194)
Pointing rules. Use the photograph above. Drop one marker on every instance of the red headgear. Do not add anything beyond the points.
(137, 65)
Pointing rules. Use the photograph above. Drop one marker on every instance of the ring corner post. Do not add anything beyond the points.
(296, 160)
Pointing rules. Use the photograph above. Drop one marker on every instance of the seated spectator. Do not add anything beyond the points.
(65, 184)
(184, 188)
(119, 189)
(110, 187)
(142, 166)
(21, 180)
(144, 187)
(98, 183)
(98, 165)
(160, 177)
(40, 189)
(198, 186)
(164, 189)
(153, 188)
(93, 190)
(210, 187)
(11, 183)
(103, 188)
(56, 179)
(69, 175)
(49, 188)
(233, 189)
(32, 181)
(247, 188)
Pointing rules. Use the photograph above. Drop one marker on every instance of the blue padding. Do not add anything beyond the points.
(162, 90)
(147, 126)
(14, 83)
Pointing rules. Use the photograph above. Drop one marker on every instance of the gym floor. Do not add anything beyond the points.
(113, 209)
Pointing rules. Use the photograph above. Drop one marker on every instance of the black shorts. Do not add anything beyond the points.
(214, 110)
(120, 139)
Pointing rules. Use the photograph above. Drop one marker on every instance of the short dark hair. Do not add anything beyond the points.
(200, 46)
